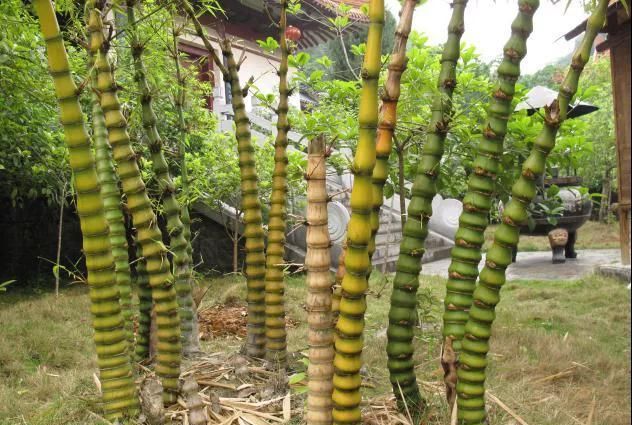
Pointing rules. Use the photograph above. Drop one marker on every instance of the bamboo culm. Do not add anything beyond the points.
(148, 235)
(115, 371)
(145, 305)
(475, 346)
(388, 114)
(112, 203)
(276, 335)
(250, 202)
(182, 146)
(251, 206)
(469, 238)
(350, 327)
(402, 313)
(320, 370)
(178, 242)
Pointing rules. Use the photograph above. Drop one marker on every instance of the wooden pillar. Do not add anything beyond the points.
(619, 43)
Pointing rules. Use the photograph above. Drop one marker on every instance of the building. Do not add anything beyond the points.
(251, 20)
(247, 21)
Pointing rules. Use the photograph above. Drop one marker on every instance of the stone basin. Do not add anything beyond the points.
(563, 234)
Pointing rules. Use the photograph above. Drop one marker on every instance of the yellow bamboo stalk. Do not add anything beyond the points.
(115, 372)
(250, 202)
(276, 335)
(350, 327)
(148, 234)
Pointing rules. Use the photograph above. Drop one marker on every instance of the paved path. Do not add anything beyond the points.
(538, 265)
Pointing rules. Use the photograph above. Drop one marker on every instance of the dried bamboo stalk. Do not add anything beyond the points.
(319, 298)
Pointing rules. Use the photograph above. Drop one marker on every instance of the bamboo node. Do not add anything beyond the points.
(526, 8)
(449, 83)
(499, 94)
(489, 133)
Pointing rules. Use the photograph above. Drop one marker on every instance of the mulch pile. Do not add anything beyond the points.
(225, 320)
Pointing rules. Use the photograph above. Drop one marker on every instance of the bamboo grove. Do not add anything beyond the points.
(142, 296)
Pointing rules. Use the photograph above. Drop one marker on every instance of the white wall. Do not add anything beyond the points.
(257, 64)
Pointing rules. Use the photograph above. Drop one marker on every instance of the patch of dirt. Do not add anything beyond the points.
(223, 320)
(229, 319)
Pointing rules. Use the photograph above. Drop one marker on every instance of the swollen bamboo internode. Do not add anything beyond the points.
(178, 241)
(179, 99)
(250, 202)
(350, 327)
(475, 346)
(404, 296)
(251, 206)
(111, 195)
(276, 337)
(466, 254)
(319, 282)
(145, 306)
(115, 371)
(148, 235)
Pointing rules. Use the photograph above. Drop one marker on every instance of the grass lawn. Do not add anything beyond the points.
(592, 235)
(558, 347)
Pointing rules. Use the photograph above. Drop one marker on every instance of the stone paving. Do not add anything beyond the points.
(538, 265)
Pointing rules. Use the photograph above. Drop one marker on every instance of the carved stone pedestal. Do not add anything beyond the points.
(558, 239)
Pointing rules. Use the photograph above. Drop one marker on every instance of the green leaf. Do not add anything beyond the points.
(358, 49)
(299, 60)
(389, 190)
(552, 191)
(296, 378)
(3, 285)
(324, 61)
(270, 44)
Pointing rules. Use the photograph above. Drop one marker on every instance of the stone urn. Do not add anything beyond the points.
(563, 234)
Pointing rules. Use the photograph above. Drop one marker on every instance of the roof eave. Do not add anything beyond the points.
(615, 10)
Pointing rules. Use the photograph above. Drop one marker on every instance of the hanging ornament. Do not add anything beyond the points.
(293, 34)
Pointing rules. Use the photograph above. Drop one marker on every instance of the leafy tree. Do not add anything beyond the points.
(346, 50)
(33, 159)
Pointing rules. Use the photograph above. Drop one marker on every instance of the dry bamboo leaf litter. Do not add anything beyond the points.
(237, 390)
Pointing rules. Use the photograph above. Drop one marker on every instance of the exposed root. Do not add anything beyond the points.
(449, 364)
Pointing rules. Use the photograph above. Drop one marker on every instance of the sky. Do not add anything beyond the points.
(487, 26)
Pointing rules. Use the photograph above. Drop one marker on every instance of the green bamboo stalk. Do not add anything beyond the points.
(149, 236)
(111, 195)
(145, 305)
(475, 346)
(251, 206)
(178, 243)
(350, 327)
(117, 384)
(182, 146)
(250, 203)
(276, 336)
(320, 370)
(388, 114)
(466, 254)
(401, 323)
